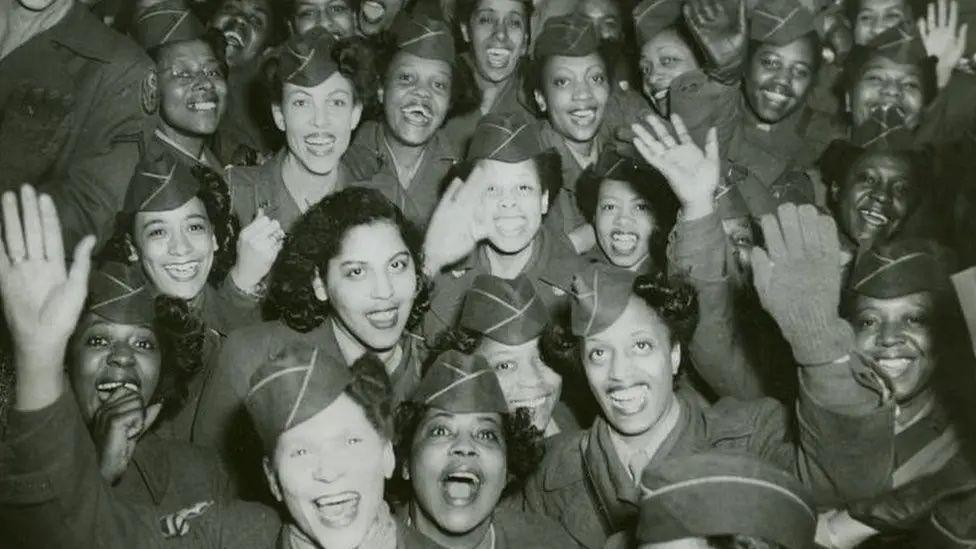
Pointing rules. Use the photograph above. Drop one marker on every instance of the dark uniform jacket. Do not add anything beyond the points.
(103, 72)
(550, 269)
(53, 496)
(418, 198)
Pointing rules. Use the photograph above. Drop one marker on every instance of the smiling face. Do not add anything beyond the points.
(886, 84)
(623, 223)
(246, 25)
(458, 468)
(574, 95)
(663, 58)
(876, 197)
(416, 96)
(876, 16)
(630, 367)
(605, 16)
(526, 380)
(335, 16)
(514, 204)
(192, 88)
(779, 78)
(898, 334)
(498, 34)
(107, 356)
(377, 15)
(318, 122)
(329, 471)
(371, 284)
(176, 248)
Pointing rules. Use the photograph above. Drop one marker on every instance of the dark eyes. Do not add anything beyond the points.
(488, 434)
(96, 341)
(505, 365)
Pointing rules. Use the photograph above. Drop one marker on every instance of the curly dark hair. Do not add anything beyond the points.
(356, 58)
(316, 238)
(532, 71)
(372, 390)
(215, 196)
(181, 336)
(648, 184)
(523, 445)
(465, 94)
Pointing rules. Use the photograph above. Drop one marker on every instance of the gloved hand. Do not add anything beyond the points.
(798, 280)
(32, 134)
(721, 35)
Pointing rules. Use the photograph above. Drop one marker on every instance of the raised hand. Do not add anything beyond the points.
(257, 248)
(42, 300)
(943, 37)
(116, 428)
(458, 222)
(692, 173)
(721, 34)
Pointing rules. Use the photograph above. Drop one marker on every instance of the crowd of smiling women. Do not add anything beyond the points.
(487, 274)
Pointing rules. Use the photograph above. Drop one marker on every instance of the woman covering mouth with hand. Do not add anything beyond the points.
(348, 281)
(459, 452)
(319, 86)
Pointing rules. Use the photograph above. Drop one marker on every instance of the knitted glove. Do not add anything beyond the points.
(721, 34)
(798, 278)
(32, 134)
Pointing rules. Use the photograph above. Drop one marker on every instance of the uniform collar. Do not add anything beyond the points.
(206, 158)
(82, 33)
(352, 350)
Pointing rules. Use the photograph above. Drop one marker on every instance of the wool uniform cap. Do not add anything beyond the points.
(307, 59)
(653, 16)
(885, 128)
(901, 44)
(780, 22)
(424, 36)
(167, 22)
(161, 182)
(461, 384)
(902, 267)
(571, 35)
(507, 311)
(600, 294)
(120, 293)
(721, 493)
(506, 137)
(296, 383)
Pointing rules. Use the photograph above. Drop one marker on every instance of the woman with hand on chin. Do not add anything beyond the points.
(319, 87)
(176, 223)
(460, 451)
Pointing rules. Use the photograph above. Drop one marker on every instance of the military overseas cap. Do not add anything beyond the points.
(653, 16)
(164, 23)
(119, 293)
(900, 44)
(721, 493)
(506, 137)
(294, 385)
(572, 35)
(306, 59)
(902, 267)
(885, 128)
(600, 295)
(461, 384)
(424, 36)
(507, 311)
(780, 22)
(160, 183)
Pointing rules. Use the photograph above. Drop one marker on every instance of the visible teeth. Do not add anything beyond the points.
(183, 271)
(874, 217)
(894, 364)
(203, 106)
(320, 141)
(583, 117)
(464, 477)
(629, 400)
(775, 97)
(624, 237)
(339, 499)
(661, 94)
(110, 386)
(234, 39)
(418, 114)
(529, 403)
(510, 225)
(498, 57)
(386, 315)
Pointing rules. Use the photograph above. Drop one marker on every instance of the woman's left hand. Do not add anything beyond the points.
(943, 37)
(257, 248)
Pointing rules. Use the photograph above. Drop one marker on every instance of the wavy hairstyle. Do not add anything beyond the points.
(316, 239)
(372, 390)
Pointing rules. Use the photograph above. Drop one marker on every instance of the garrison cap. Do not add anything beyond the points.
(306, 59)
(780, 22)
(507, 311)
(653, 16)
(507, 137)
(424, 36)
(600, 295)
(461, 384)
(572, 35)
(161, 182)
(298, 382)
(902, 267)
(120, 293)
(885, 128)
(167, 22)
(722, 493)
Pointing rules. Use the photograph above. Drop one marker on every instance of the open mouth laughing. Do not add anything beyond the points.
(183, 272)
(106, 387)
(320, 143)
(384, 319)
(337, 510)
(583, 117)
(623, 242)
(511, 226)
(629, 400)
(460, 486)
(498, 58)
(418, 114)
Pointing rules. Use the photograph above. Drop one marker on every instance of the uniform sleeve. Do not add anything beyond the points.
(101, 165)
(229, 307)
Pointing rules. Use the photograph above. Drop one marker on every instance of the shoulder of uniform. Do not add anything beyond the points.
(562, 465)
